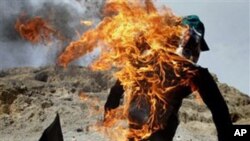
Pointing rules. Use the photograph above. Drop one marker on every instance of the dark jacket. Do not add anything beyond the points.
(209, 93)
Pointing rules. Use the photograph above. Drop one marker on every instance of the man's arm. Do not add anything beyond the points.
(114, 96)
(212, 97)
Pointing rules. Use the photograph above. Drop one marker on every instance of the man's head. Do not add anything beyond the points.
(193, 40)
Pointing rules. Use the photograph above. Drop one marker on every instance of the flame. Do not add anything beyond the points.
(87, 23)
(140, 41)
(35, 30)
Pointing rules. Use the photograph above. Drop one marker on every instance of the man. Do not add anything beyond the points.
(193, 42)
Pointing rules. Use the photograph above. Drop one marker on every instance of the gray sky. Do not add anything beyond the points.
(227, 34)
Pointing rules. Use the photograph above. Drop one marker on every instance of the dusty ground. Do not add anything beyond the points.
(30, 99)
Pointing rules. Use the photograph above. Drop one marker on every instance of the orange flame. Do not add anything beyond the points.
(141, 41)
(86, 23)
(34, 30)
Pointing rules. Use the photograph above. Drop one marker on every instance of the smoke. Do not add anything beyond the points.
(63, 15)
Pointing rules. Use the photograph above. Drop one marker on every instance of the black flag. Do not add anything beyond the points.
(53, 132)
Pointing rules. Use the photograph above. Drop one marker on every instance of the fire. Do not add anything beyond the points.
(87, 23)
(35, 29)
(140, 41)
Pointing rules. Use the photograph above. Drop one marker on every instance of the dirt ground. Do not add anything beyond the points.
(31, 97)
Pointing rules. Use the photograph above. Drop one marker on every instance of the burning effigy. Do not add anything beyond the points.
(141, 42)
